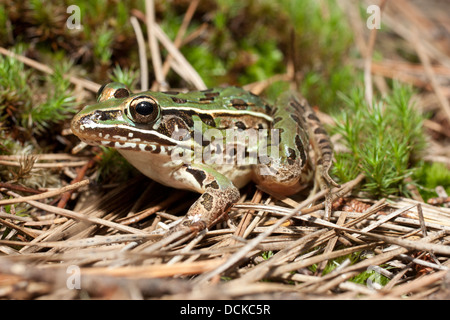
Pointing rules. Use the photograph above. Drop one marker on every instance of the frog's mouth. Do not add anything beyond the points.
(94, 131)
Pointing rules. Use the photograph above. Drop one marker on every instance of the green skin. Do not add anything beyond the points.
(150, 128)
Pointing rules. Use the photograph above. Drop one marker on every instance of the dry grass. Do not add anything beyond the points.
(113, 234)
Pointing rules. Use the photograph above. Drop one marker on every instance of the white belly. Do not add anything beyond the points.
(163, 169)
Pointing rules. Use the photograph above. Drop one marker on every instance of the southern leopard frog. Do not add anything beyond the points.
(183, 140)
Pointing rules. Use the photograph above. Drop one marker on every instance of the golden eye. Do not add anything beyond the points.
(112, 90)
(143, 110)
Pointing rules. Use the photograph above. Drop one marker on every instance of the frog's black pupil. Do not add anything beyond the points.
(144, 108)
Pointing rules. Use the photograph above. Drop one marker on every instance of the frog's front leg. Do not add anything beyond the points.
(218, 195)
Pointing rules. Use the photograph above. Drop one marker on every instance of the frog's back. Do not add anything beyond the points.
(228, 98)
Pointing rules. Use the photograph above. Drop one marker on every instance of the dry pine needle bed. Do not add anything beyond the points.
(401, 239)
(269, 247)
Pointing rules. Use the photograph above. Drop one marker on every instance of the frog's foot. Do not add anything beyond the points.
(219, 194)
(325, 182)
(209, 209)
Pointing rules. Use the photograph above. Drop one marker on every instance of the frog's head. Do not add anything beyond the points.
(121, 120)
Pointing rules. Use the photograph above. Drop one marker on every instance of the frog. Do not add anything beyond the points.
(212, 142)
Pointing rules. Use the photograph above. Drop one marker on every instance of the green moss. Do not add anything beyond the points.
(25, 103)
(384, 141)
(112, 167)
(431, 175)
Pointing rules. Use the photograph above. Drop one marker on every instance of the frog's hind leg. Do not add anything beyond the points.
(287, 168)
(291, 169)
(323, 151)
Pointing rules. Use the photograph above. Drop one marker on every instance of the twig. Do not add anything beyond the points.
(47, 194)
(80, 175)
(179, 63)
(254, 242)
(368, 62)
(92, 86)
(443, 102)
(245, 221)
(31, 234)
(417, 284)
(54, 165)
(330, 245)
(148, 212)
(78, 216)
(142, 53)
(153, 44)
(86, 242)
(10, 186)
(179, 37)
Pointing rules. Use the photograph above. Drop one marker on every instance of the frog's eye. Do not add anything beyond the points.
(112, 90)
(143, 110)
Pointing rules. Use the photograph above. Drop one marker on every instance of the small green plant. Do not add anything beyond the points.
(125, 76)
(14, 84)
(29, 103)
(57, 106)
(113, 167)
(384, 140)
(371, 278)
(267, 255)
(103, 40)
(431, 175)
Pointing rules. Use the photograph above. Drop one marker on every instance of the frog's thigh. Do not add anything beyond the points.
(287, 169)
(218, 195)
(282, 177)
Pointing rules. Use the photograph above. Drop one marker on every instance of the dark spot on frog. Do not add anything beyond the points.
(199, 175)
(207, 201)
(207, 119)
(291, 156)
(187, 118)
(205, 142)
(312, 116)
(171, 92)
(213, 185)
(105, 115)
(239, 104)
(211, 95)
(297, 120)
(297, 106)
(301, 149)
(121, 93)
(175, 124)
(240, 125)
(276, 120)
(157, 149)
(178, 100)
(320, 131)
